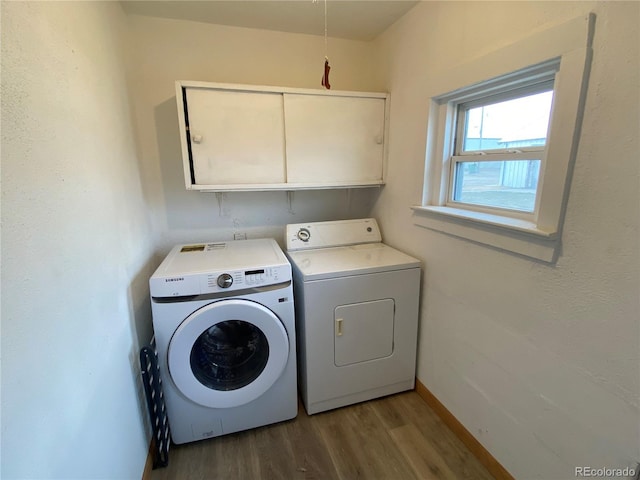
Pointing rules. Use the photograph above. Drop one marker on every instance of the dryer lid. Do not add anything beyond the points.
(361, 259)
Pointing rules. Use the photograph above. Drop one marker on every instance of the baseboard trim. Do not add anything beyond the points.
(474, 446)
(148, 465)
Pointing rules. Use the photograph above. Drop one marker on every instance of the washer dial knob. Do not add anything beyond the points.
(225, 280)
(304, 234)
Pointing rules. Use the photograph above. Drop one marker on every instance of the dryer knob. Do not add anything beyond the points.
(225, 280)
(304, 234)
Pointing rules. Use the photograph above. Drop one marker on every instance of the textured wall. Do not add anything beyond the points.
(75, 246)
(540, 362)
(163, 51)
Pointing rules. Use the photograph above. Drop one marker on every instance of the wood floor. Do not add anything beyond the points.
(396, 438)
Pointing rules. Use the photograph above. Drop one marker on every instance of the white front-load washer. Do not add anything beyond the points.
(356, 313)
(223, 319)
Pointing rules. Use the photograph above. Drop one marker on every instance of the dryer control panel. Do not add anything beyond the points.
(303, 236)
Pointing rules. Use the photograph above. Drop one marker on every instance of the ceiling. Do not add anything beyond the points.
(356, 20)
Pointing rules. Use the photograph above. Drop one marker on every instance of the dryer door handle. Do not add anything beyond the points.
(338, 327)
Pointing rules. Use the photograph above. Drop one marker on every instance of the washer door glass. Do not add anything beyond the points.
(228, 353)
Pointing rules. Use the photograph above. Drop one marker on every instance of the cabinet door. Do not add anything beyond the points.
(334, 139)
(236, 137)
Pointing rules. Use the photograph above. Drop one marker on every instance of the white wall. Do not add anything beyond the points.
(540, 362)
(75, 246)
(163, 51)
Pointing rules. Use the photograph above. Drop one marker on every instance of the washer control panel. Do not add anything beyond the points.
(220, 268)
(217, 282)
(225, 280)
(301, 236)
(240, 279)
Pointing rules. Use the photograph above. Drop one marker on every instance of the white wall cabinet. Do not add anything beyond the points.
(241, 137)
(235, 137)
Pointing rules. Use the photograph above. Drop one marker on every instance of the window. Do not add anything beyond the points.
(500, 148)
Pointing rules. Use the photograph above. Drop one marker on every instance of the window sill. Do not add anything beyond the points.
(513, 235)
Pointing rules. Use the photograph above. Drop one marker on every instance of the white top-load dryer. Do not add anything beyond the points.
(356, 313)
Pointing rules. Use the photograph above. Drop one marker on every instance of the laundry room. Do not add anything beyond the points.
(525, 353)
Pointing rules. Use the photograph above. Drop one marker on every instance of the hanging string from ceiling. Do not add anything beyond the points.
(327, 67)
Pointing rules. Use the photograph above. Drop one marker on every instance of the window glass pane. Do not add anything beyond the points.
(512, 124)
(508, 184)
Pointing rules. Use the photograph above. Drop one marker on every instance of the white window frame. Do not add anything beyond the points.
(562, 54)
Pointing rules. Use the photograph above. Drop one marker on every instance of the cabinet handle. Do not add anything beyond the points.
(196, 138)
(379, 139)
(338, 327)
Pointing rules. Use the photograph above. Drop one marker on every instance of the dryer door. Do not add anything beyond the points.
(228, 353)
